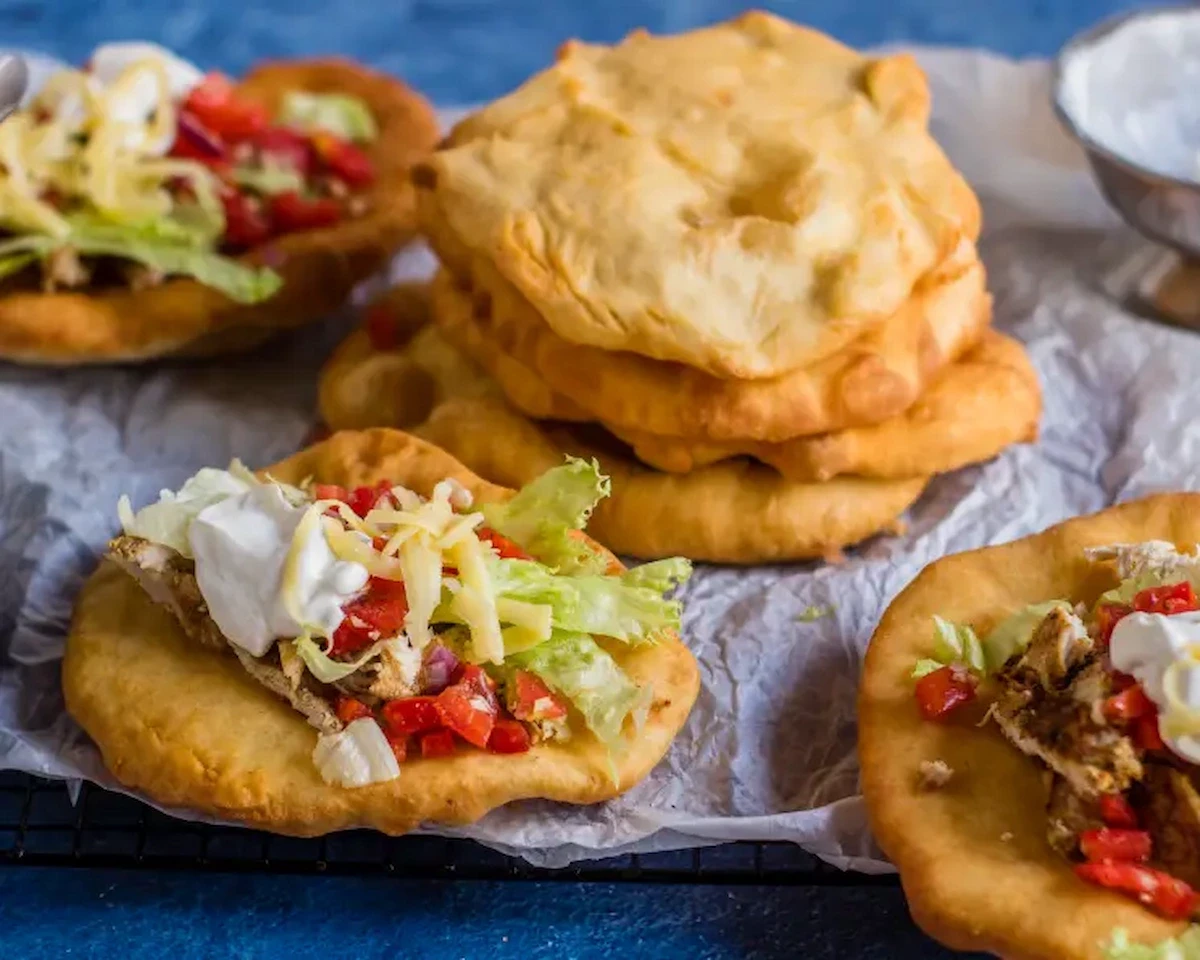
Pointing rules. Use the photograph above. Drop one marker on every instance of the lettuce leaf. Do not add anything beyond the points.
(337, 113)
(545, 515)
(955, 643)
(578, 668)
(167, 522)
(630, 607)
(326, 669)
(1184, 947)
(1013, 634)
(268, 181)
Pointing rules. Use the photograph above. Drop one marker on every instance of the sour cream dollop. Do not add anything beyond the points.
(1163, 653)
(241, 545)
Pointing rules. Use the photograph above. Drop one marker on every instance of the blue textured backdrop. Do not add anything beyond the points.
(459, 51)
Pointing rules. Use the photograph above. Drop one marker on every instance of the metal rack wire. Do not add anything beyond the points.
(40, 825)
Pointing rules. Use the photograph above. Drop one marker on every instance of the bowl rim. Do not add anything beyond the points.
(1085, 38)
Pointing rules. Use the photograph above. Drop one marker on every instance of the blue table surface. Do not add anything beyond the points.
(462, 51)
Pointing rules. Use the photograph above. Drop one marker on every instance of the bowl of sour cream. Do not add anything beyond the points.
(1129, 91)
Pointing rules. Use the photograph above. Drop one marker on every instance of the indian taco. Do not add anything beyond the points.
(370, 635)
(149, 208)
(1029, 733)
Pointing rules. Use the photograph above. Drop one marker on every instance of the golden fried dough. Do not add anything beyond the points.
(878, 376)
(735, 512)
(319, 267)
(973, 409)
(973, 856)
(192, 729)
(745, 199)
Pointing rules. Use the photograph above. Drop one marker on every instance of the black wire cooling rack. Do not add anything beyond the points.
(40, 826)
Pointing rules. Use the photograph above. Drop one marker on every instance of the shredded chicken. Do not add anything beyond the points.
(1050, 707)
(1069, 814)
(384, 678)
(1153, 556)
(170, 580)
(140, 277)
(63, 268)
(935, 774)
(1172, 815)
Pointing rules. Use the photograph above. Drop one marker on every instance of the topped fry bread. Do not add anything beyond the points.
(151, 209)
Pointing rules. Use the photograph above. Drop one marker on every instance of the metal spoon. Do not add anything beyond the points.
(14, 78)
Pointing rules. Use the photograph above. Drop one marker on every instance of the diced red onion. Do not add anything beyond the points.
(270, 255)
(199, 136)
(437, 668)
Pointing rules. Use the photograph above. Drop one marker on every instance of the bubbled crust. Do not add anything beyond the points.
(319, 267)
(745, 198)
(192, 729)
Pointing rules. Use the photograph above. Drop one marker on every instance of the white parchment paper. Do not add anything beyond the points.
(768, 753)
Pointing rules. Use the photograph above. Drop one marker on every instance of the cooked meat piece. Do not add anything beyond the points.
(1069, 815)
(140, 277)
(935, 774)
(1050, 707)
(386, 678)
(169, 579)
(63, 268)
(1171, 812)
(1156, 556)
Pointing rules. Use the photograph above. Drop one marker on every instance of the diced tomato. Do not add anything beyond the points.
(245, 223)
(1162, 893)
(469, 707)
(507, 549)
(530, 699)
(438, 743)
(329, 491)
(215, 104)
(411, 714)
(381, 328)
(286, 148)
(944, 690)
(379, 612)
(1108, 615)
(363, 500)
(348, 709)
(1116, 811)
(399, 744)
(1146, 734)
(1110, 843)
(343, 159)
(290, 211)
(508, 736)
(1176, 598)
(1129, 704)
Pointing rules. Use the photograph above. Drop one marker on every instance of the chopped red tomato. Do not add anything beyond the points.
(530, 699)
(1129, 704)
(1110, 843)
(1176, 598)
(285, 148)
(507, 549)
(399, 744)
(344, 160)
(215, 104)
(944, 690)
(1116, 811)
(1146, 734)
(362, 500)
(1108, 615)
(438, 743)
(348, 709)
(469, 707)
(377, 614)
(329, 491)
(1162, 893)
(508, 736)
(290, 211)
(245, 223)
(411, 715)
(381, 328)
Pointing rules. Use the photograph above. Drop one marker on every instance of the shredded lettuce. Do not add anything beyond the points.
(1184, 947)
(926, 667)
(954, 643)
(158, 248)
(1013, 634)
(814, 612)
(167, 522)
(344, 116)
(268, 181)
(328, 670)
(545, 515)
(15, 263)
(630, 607)
(578, 668)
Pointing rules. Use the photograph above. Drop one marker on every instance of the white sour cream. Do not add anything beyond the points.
(1146, 645)
(241, 546)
